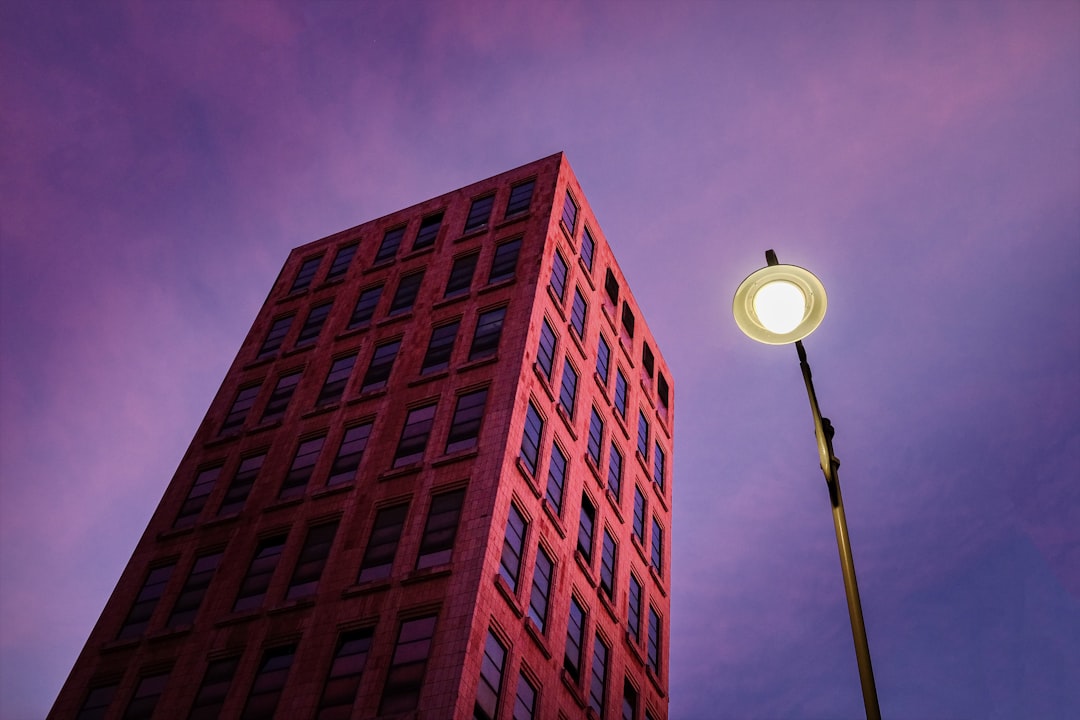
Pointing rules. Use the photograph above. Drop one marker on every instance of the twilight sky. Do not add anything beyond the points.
(159, 159)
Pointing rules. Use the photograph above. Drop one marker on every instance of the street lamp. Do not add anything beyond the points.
(781, 304)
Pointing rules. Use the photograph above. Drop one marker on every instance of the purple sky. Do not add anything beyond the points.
(160, 159)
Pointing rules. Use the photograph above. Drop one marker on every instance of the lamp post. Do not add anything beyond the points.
(781, 304)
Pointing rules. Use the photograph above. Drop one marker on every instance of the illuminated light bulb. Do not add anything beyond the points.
(780, 306)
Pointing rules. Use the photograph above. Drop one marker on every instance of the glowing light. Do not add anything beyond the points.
(780, 306)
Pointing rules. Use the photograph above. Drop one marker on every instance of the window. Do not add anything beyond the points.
(303, 465)
(152, 589)
(309, 567)
(568, 389)
(353, 444)
(437, 543)
(575, 637)
(382, 545)
(479, 212)
(556, 478)
(647, 361)
(525, 701)
(336, 380)
(414, 435)
(658, 466)
(343, 680)
(145, 700)
(306, 274)
(639, 515)
(389, 246)
(270, 680)
(633, 614)
(607, 565)
(197, 496)
(341, 262)
(611, 287)
(598, 676)
(596, 435)
(198, 581)
(614, 475)
(407, 289)
(577, 314)
(513, 546)
(545, 353)
(405, 678)
(428, 232)
(530, 438)
(505, 261)
(97, 702)
(245, 398)
(440, 348)
(653, 651)
(656, 557)
(382, 362)
(275, 337)
(214, 689)
(461, 274)
(491, 671)
(629, 701)
(558, 275)
(465, 425)
(603, 359)
(365, 307)
(585, 529)
(569, 213)
(485, 341)
(628, 319)
(588, 245)
(662, 392)
(313, 324)
(255, 583)
(643, 436)
(541, 588)
(279, 399)
(620, 393)
(520, 197)
(241, 484)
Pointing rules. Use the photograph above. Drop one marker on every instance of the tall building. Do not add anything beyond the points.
(435, 483)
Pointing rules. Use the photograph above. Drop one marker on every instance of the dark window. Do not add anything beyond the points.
(214, 689)
(429, 231)
(654, 641)
(303, 465)
(382, 546)
(585, 529)
(312, 560)
(437, 543)
(405, 679)
(607, 565)
(611, 286)
(343, 681)
(414, 435)
(461, 274)
(313, 324)
(382, 362)
(639, 515)
(545, 353)
(658, 465)
(633, 614)
(245, 398)
(558, 275)
(629, 701)
(598, 676)
(97, 702)
(556, 478)
(241, 484)
(541, 588)
(614, 475)
(353, 444)
(643, 435)
(505, 261)
(596, 436)
(485, 342)
(628, 319)
(588, 245)
(440, 348)
(465, 425)
(262, 702)
(520, 197)
(197, 496)
(647, 360)
(525, 701)
(145, 602)
(568, 389)
(662, 392)
(656, 556)
(253, 588)
(306, 274)
(603, 359)
(336, 380)
(279, 399)
(530, 438)
(491, 672)
(569, 213)
(390, 243)
(577, 314)
(341, 261)
(275, 337)
(479, 212)
(365, 307)
(407, 288)
(512, 548)
(575, 636)
(198, 581)
(620, 393)
(145, 700)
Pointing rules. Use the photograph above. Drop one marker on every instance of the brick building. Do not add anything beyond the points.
(435, 483)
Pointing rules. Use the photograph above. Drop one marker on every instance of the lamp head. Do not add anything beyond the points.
(779, 304)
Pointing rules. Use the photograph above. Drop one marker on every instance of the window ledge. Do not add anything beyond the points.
(513, 220)
(508, 595)
(606, 602)
(424, 379)
(426, 250)
(613, 500)
(642, 462)
(662, 417)
(621, 422)
(602, 385)
(640, 550)
(458, 456)
(473, 364)
(634, 649)
(175, 532)
(530, 480)
(537, 637)
(567, 420)
(557, 301)
(300, 350)
(475, 232)
(290, 605)
(221, 519)
(394, 473)
(238, 616)
(453, 299)
(379, 266)
(571, 685)
(263, 427)
(260, 362)
(428, 573)
(628, 352)
(583, 563)
(609, 313)
(222, 440)
(171, 632)
(568, 233)
(658, 493)
(332, 490)
(366, 588)
(497, 285)
(282, 503)
(399, 316)
(115, 645)
(586, 272)
(330, 282)
(545, 382)
(353, 332)
(658, 579)
(594, 470)
(655, 681)
(577, 343)
(321, 409)
(646, 392)
(293, 294)
(368, 395)
(553, 516)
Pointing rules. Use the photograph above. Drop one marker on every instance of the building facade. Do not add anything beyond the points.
(435, 483)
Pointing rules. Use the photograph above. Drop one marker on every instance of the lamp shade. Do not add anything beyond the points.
(779, 304)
